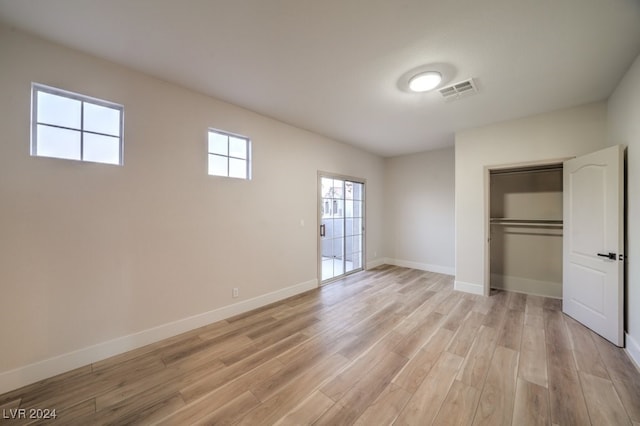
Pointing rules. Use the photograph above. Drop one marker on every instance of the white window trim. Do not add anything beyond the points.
(37, 87)
(228, 156)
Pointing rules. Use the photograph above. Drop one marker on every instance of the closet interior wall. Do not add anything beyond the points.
(526, 230)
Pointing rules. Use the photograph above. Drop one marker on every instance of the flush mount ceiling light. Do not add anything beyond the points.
(425, 81)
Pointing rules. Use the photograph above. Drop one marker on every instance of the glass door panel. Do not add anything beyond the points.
(341, 226)
(353, 220)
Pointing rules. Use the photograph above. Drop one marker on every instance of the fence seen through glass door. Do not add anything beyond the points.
(341, 227)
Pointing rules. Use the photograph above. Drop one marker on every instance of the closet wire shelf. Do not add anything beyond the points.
(546, 223)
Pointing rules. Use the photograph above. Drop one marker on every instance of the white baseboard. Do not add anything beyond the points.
(468, 287)
(527, 286)
(448, 270)
(22, 376)
(377, 262)
(632, 347)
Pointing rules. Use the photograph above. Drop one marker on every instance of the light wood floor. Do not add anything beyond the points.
(386, 346)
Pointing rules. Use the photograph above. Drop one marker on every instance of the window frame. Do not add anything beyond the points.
(38, 87)
(228, 156)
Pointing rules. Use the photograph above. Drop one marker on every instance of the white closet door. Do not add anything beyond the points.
(593, 242)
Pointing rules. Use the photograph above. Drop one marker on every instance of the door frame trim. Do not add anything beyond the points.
(363, 181)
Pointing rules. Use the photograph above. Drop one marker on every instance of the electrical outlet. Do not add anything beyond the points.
(235, 292)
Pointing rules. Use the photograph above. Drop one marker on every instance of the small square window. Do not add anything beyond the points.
(229, 155)
(75, 127)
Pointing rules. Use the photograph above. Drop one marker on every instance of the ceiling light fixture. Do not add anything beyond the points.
(425, 81)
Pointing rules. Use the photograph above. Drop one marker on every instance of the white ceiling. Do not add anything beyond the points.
(335, 66)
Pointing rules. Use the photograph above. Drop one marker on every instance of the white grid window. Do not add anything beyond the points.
(229, 155)
(75, 127)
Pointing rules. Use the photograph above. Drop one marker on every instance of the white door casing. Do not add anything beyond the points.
(593, 242)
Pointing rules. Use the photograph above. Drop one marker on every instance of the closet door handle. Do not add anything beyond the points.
(611, 256)
(322, 230)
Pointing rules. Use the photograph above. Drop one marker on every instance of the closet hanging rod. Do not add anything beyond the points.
(526, 222)
(518, 172)
(537, 225)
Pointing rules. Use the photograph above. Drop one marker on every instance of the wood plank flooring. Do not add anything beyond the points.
(386, 346)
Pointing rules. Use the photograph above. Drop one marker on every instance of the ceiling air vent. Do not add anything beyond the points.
(458, 90)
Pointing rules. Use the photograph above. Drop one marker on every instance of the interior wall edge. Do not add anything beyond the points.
(632, 348)
(22, 376)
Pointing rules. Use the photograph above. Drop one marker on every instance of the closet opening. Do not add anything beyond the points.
(525, 223)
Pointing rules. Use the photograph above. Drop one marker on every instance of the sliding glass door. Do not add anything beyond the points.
(341, 226)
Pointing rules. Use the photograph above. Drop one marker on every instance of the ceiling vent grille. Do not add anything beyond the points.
(459, 90)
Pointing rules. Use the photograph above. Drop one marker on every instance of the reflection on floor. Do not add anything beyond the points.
(333, 267)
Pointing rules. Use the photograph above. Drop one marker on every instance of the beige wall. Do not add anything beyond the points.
(93, 254)
(552, 136)
(624, 128)
(419, 199)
